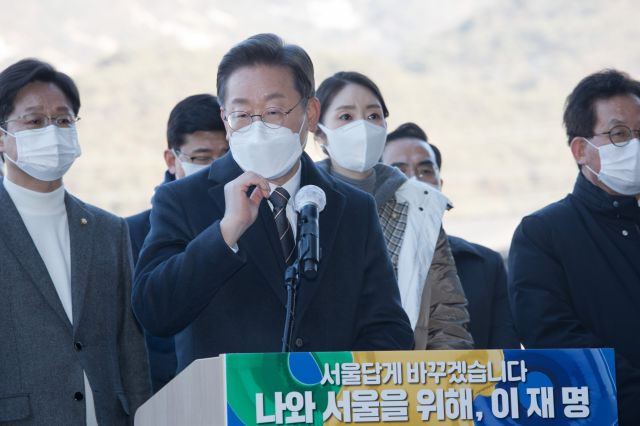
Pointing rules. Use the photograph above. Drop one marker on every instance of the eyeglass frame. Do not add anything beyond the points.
(178, 153)
(49, 120)
(633, 132)
(269, 125)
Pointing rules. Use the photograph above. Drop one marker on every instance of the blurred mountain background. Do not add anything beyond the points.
(486, 79)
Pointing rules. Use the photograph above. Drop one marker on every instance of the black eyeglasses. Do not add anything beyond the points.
(272, 117)
(621, 135)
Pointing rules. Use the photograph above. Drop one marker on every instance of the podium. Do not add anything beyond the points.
(478, 387)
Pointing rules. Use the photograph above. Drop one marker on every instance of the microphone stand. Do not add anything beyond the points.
(291, 278)
(304, 265)
(291, 281)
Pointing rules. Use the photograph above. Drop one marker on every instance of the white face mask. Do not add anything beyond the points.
(619, 167)
(356, 146)
(189, 168)
(46, 154)
(270, 153)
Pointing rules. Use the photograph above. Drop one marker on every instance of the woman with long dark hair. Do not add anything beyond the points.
(352, 131)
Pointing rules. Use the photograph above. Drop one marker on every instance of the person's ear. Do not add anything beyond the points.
(578, 148)
(170, 159)
(3, 141)
(228, 129)
(313, 113)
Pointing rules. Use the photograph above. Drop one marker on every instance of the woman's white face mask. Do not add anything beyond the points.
(356, 146)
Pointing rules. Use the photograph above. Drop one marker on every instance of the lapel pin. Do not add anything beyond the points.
(83, 221)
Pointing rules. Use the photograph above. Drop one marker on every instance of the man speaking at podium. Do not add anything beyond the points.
(212, 269)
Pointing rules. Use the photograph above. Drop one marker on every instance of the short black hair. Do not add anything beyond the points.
(438, 155)
(331, 86)
(268, 49)
(26, 71)
(408, 130)
(412, 130)
(579, 113)
(192, 114)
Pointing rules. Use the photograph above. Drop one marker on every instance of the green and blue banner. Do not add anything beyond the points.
(481, 387)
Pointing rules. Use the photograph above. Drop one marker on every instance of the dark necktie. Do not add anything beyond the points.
(279, 198)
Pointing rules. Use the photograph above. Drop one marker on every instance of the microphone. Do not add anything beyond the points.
(309, 202)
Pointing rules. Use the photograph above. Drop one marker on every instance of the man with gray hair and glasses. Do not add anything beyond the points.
(212, 269)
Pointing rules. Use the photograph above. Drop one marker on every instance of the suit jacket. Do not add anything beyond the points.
(42, 355)
(574, 275)
(162, 350)
(188, 281)
(484, 280)
(139, 226)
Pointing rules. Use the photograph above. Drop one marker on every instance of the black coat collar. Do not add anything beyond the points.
(614, 206)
